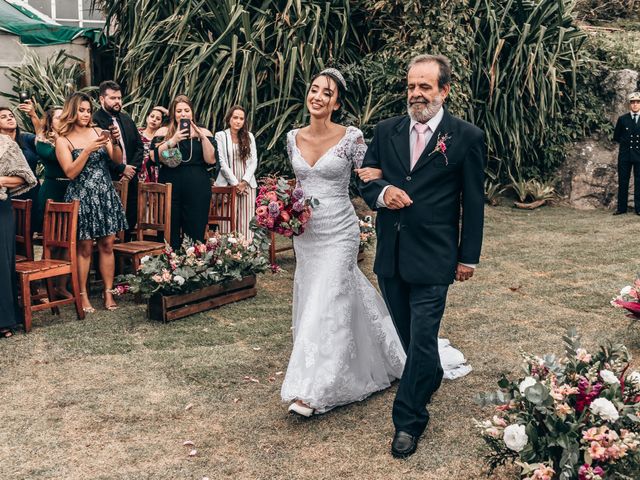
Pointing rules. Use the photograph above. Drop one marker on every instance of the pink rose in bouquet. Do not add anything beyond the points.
(282, 207)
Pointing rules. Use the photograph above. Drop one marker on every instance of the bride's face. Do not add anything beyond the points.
(322, 99)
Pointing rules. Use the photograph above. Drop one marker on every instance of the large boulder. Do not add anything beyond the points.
(589, 175)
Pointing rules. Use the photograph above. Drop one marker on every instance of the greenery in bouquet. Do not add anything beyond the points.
(367, 232)
(222, 258)
(629, 299)
(282, 207)
(576, 417)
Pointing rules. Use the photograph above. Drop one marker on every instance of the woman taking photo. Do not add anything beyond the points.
(184, 154)
(15, 178)
(149, 170)
(26, 142)
(238, 162)
(84, 152)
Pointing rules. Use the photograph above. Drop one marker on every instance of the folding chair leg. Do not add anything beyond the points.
(75, 287)
(26, 301)
(272, 249)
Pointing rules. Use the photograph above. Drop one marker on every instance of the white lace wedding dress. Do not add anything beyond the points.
(345, 346)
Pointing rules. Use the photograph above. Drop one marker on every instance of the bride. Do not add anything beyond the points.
(345, 346)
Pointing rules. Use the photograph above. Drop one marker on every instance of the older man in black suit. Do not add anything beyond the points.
(430, 203)
(627, 134)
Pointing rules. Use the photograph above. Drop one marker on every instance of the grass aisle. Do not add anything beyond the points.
(115, 396)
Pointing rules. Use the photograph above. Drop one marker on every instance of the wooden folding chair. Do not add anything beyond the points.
(60, 232)
(273, 250)
(222, 210)
(122, 189)
(154, 213)
(24, 236)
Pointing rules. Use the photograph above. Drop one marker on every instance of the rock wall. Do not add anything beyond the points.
(589, 176)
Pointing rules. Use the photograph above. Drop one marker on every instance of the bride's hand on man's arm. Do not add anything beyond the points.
(368, 174)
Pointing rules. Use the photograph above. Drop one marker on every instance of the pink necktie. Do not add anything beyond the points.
(418, 147)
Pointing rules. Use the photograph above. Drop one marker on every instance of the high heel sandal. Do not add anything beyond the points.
(301, 410)
(6, 333)
(111, 307)
(87, 309)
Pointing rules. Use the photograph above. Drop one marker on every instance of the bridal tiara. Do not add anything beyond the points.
(335, 73)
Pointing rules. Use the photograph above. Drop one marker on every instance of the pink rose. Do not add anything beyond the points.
(262, 210)
(271, 196)
(285, 216)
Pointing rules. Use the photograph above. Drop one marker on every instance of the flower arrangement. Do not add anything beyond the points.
(572, 418)
(629, 299)
(367, 232)
(221, 258)
(282, 207)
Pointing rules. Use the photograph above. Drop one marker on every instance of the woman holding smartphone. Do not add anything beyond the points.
(184, 151)
(84, 153)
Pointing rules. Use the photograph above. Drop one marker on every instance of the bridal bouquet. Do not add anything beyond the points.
(367, 232)
(282, 207)
(629, 299)
(574, 418)
(221, 258)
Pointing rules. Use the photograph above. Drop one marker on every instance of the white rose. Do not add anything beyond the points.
(178, 279)
(232, 240)
(609, 377)
(526, 383)
(144, 259)
(605, 409)
(626, 290)
(515, 437)
(190, 251)
(634, 378)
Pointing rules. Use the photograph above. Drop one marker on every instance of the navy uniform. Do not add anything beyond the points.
(627, 134)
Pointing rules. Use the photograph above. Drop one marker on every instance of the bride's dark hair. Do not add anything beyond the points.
(336, 115)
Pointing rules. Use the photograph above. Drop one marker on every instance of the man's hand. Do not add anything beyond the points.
(396, 198)
(128, 172)
(463, 272)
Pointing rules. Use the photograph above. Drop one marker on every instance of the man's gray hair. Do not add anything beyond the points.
(443, 62)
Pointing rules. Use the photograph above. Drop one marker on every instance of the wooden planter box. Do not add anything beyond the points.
(166, 308)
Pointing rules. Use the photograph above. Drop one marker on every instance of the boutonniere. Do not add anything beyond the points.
(441, 146)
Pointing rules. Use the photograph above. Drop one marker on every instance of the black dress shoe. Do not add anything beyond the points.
(619, 213)
(403, 445)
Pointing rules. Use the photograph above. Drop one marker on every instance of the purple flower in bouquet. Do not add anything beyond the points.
(298, 194)
(587, 472)
(586, 393)
(274, 209)
(298, 206)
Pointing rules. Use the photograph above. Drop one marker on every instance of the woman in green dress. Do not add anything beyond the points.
(55, 181)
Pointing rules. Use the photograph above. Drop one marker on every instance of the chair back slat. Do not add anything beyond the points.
(22, 221)
(222, 210)
(154, 209)
(60, 227)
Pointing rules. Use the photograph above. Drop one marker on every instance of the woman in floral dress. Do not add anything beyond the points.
(84, 153)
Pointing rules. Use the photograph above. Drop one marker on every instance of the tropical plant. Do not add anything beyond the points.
(538, 190)
(48, 81)
(492, 190)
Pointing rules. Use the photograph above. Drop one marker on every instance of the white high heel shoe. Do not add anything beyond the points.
(301, 409)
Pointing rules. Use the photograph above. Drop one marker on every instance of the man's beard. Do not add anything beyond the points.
(112, 110)
(428, 111)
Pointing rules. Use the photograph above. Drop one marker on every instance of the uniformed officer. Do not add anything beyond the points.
(627, 134)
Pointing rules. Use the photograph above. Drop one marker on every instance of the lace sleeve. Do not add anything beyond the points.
(358, 149)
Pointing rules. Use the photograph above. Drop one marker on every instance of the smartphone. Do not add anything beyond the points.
(24, 96)
(185, 124)
(104, 135)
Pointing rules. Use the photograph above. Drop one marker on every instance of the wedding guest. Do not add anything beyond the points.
(54, 186)
(238, 158)
(627, 134)
(85, 152)
(149, 169)
(16, 178)
(26, 142)
(111, 117)
(184, 155)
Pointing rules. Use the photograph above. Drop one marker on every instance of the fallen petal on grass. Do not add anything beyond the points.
(188, 407)
(193, 453)
(188, 443)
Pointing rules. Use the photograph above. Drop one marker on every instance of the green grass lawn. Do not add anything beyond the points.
(115, 396)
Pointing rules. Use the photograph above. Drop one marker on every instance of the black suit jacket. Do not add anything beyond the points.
(133, 145)
(424, 242)
(627, 134)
